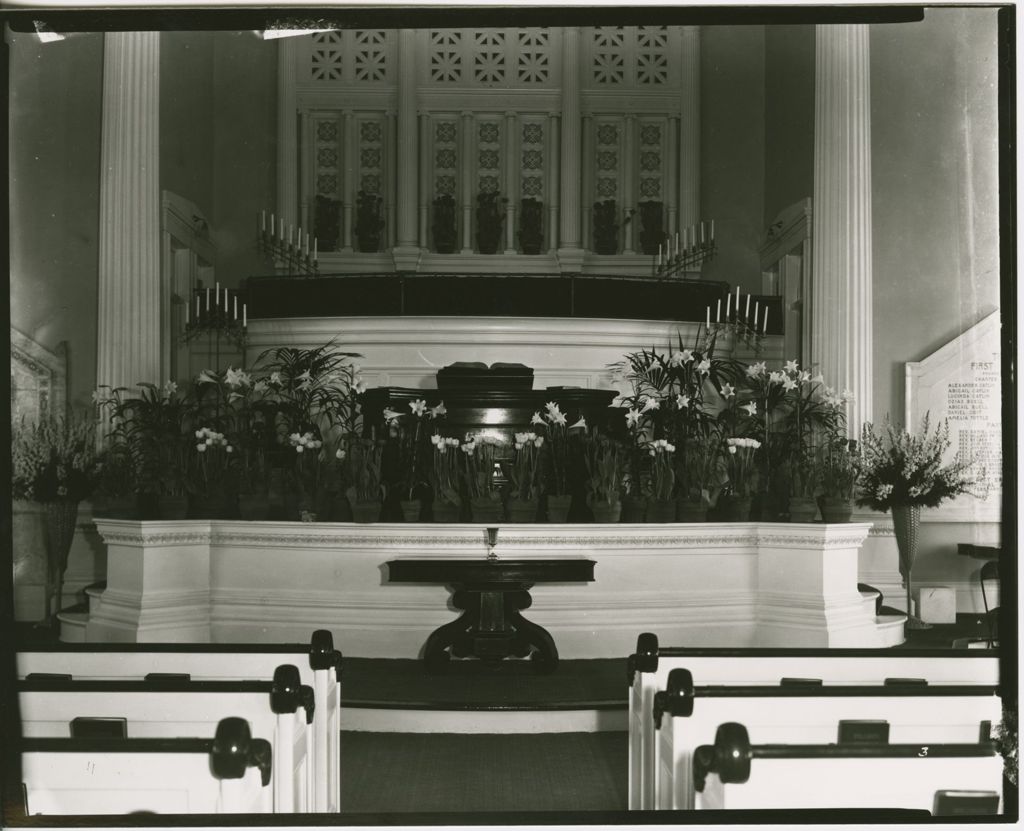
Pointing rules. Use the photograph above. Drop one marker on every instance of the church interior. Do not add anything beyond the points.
(553, 416)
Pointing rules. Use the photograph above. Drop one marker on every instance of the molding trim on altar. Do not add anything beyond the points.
(708, 584)
(408, 351)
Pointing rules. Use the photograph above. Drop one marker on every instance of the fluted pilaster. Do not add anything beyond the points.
(424, 178)
(689, 132)
(407, 141)
(841, 337)
(511, 180)
(569, 251)
(131, 347)
(629, 184)
(287, 133)
(466, 170)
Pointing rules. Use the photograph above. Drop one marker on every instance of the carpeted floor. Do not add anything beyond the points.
(444, 772)
(469, 684)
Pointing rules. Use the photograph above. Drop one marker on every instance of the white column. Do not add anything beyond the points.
(407, 250)
(466, 172)
(425, 168)
(570, 254)
(629, 164)
(511, 180)
(689, 132)
(841, 337)
(553, 182)
(349, 154)
(392, 188)
(287, 138)
(130, 347)
(587, 182)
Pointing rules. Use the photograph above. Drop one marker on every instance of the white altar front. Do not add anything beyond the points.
(708, 584)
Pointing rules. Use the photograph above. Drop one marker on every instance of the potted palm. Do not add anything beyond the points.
(369, 222)
(531, 225)
(54, 463)
(652, 231)
(444, 226)
(606, 227)
(490, 221)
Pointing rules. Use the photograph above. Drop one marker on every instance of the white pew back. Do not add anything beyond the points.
(793, 776)
(229, 774)
(279, 710)
(811, 715)
(319, 666)
(649, 667)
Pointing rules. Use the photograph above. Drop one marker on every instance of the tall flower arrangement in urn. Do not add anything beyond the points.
(55, 463)
(901, 472)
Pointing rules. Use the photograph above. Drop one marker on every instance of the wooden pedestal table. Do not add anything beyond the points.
(491, 595)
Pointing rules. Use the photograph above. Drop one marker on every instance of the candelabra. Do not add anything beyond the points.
(675, 259)
(290, 253)
(215, 314)
(745, 323)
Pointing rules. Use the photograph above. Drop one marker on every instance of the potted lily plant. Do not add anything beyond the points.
(523, 473)
(662, 505)
(365, 457)
(444, 478)
(478, 462)
(605, 459)
(408, 456)
(837, 465)
(741, 462)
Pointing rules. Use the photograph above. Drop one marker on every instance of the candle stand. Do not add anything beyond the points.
(685, 259)
(289, 257)
(213, 313)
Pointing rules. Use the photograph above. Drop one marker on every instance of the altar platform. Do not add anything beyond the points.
(706, 584)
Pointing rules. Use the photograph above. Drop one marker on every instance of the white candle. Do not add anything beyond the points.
(273, 224)
(187, 307)
(225, 299)
(677, 242)
(207, 298)
(728, 305)
(701, 233)
(747, 315)
(217, 288)
(764, 328)
(718, 311)
(737, 298)
(712, 230)
(197, 307)
(281, 235)
(263, 221)
(307, 243)
(756, 305)
(707, 322)
(291, 233)
(243, 315)
(314, 248)
(236, 307)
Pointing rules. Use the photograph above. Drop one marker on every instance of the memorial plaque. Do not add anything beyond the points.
(962, 383)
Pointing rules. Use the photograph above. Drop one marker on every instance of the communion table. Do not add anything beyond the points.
(707, 584)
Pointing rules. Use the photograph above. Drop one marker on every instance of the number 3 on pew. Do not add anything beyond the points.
(924, 751)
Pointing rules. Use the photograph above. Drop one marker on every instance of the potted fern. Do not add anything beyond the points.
(490, 220)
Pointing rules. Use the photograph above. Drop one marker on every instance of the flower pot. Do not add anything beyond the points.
(410, 510)
(736, 508)
(767, 506)
(173, 506)
(802, 509)
(661, 510)
(445, 511)
(115, 507)
(148, 506)
(523, 510)
(486, 509)
(206, 506)
(366, 511)
(835, 509)
(691, 510)
(633, 509)
(253, 507)
(340, 508)
(60, 518)
(605, 512)
(558, 507)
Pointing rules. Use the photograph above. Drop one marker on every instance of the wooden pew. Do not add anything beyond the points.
(319, 666)
(686, 717)
(279, 709)
(734, 774)
(227, 774)
(649, 666)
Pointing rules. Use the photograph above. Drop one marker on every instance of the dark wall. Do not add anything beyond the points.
(732, 149)
(54, 197)
(789, 117)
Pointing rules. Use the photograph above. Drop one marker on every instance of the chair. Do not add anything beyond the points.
(990, 571)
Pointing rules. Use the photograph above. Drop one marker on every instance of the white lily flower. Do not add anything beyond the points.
(789, 384)
(750, 407)
(207, 377)
(359, 386)
(438, 411)
(633, 417)
(686, 356)
(682, 401)
(777, 377)
(339, 454)
(728, 391)
(418, 407)
(804, 376)
(650, 404)
(704, 366)
(579, 425)
(275, 378)
(390, 415)
(756, 370)
(792, 366)
(537, 419)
